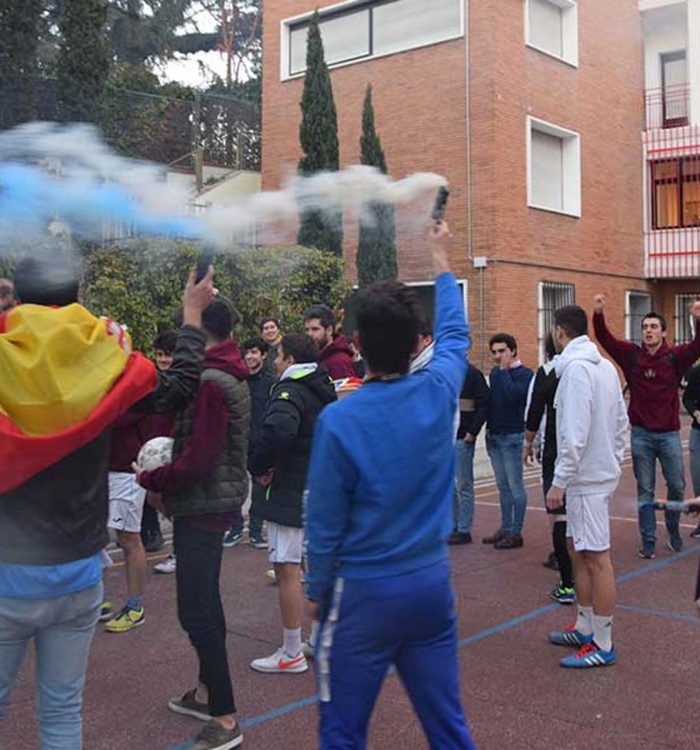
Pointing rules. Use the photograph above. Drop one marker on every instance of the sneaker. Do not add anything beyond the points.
(675, 543)
(257, 542)
(570, 637)
(459, 537)
(695, 533)
(154, 543)
(231, 538)
(562, 594)
(215, 737)
(188, 705)
(281, 662)
(589, 656)
(270, 575)
(494, 537)
(105, 611)
(167, 566)
(551, 562)
(509, 541)
(647, 551)
(127, 619)
(308, 649)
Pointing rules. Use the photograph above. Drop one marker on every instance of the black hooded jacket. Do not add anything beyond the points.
(284, 444)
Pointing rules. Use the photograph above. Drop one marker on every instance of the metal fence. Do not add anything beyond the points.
(667, 107)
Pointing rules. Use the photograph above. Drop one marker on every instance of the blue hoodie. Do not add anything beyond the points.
(381, 479)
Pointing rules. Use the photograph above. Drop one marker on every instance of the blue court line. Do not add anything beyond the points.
(659, 613)
(494, 630)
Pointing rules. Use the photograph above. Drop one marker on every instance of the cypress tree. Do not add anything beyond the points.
(318, 134)
(376, 249)
(82, 64)
(19, 32)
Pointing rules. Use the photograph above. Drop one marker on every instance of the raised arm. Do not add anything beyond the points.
(687, 354)
(623, 352)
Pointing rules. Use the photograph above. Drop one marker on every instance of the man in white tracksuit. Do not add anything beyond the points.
(591, 427)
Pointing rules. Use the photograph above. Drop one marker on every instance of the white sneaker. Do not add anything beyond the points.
(270, 575)
(281, 662)
(167, 566)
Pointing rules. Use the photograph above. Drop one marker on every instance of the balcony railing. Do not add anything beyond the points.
(667, 107)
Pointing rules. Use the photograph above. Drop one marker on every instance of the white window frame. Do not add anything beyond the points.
(463, 283)
(629, 322)
(570, 54)
(286, 23)
(571, 187)
(683, 322)
(542, 329)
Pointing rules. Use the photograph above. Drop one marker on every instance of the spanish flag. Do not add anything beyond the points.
(65, 377)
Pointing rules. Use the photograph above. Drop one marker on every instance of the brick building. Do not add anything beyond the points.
(532, 109)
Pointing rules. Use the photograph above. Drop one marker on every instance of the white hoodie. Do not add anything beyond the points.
(591, 420)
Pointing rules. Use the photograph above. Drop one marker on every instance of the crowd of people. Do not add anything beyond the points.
(324, 477)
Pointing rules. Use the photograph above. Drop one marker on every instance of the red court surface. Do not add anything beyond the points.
(515, 694)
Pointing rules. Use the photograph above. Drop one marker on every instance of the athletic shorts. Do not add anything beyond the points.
(588, 521)
(285, 543)
(126, 498)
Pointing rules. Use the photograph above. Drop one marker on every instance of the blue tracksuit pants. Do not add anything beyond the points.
(406, 620)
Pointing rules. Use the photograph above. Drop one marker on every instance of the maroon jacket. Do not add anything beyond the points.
(653, 379)
(337, 359)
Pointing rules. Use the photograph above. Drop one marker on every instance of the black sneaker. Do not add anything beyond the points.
(154, 542)
(459, 537)
(551, 562)
(231, 538)
(647, 551)
(257, 542)
(509, 541)
(494, 537)
(188, 705)
(675, 543)
(215, 737)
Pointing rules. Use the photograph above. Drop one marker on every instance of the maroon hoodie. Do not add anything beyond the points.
(337, 359)
(653, 379)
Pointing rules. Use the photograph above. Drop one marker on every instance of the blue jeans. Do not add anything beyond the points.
(694, 451)
(464, 491)
(62, 630)
(506, 454)
(647, 447)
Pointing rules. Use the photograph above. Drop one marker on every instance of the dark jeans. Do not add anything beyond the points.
(255, 518)
(200, 610)
(150, 524)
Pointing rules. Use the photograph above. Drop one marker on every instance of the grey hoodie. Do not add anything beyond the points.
(591, 420)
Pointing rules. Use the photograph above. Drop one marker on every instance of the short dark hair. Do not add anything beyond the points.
(504, 338)
(389, 316)
(426, 327)
(323, 313)
(573, 320)
(657, 316)
(550, 350)
(44, 281)
(165, 342)
(256, 343)
(269, 320)
(300, 346)
(219, 318)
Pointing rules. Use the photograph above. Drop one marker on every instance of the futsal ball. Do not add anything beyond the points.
(155, 453)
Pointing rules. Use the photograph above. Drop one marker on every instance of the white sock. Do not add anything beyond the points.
(292, 641)
(313, 638)
(584, 621)
(602, 631)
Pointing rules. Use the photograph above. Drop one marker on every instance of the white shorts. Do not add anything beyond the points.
(588, 521)
(286, 543)
(126, 498)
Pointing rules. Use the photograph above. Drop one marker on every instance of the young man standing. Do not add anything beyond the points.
(280, 460)
(271, 334)
(378, 521)
(591, 428)
(509, 381)
(203, 489)
(653, 371)
(334, 353)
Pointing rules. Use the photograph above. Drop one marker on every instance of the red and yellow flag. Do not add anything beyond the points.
(65, 376)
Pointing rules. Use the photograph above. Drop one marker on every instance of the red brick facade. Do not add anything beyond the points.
(421, 109)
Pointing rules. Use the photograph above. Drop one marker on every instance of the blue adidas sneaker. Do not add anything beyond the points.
(570, 637)
(589, 656)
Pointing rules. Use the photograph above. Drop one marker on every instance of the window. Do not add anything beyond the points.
(554, 168)
(551, 26)
(373, 28)
(551, 296)
(675, 193)
(674, 83)
(685, 327)
(637, 305)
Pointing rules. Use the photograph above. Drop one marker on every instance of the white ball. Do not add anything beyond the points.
(155, 453)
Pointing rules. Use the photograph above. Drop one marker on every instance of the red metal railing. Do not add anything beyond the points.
(667, 107)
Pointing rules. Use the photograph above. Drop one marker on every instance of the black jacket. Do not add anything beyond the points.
(544, 390)
(285, 442)
(691, 394)
(260, 385)
(476, 390)
(60, 514)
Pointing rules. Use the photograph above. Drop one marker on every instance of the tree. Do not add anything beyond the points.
(376, 249)
(82, 64)
(318, 134)
(19, 32)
